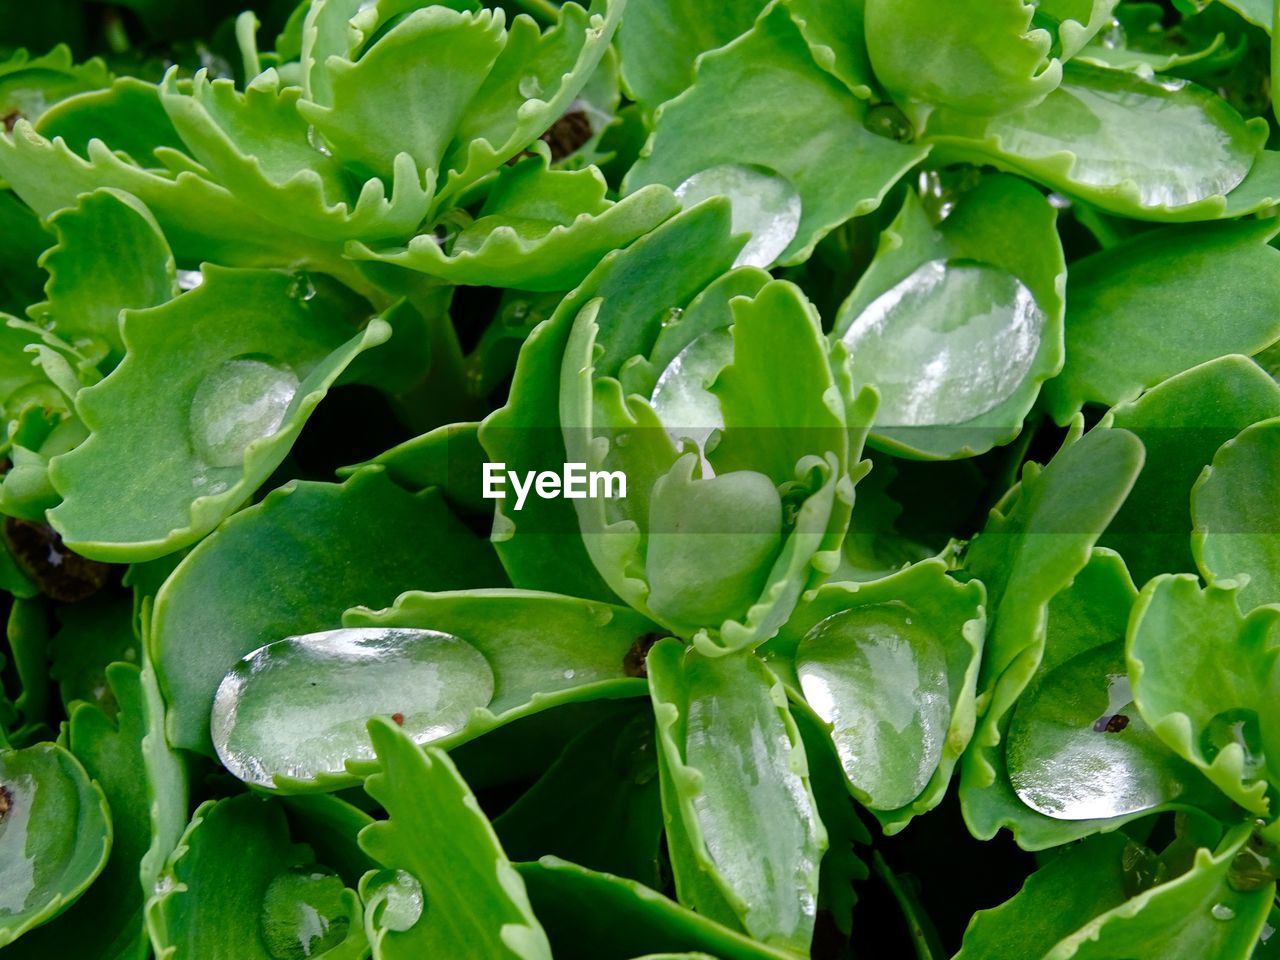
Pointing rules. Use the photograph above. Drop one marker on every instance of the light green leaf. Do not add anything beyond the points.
(936, 298)
(742, 823)
(127, 116)
(472, 903)
(215, 388)
(1151, 307)
(1145, 148)
(740, 111)
(1236, 517)
(240, 588)
(1204, 676)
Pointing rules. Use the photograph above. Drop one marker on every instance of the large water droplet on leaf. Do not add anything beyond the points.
(1237, 727)
(303, 913)
(394, 899)
(242, 400)
(880, 679)
(682, 397)
(948, 343)
(764, 204)
(298, 707)
(1079, 750)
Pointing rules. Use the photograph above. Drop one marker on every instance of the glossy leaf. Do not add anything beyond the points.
(203, 625)
(252, 353)
(1146, 148)
(935, 297)
(56, 836)
(742, 824)
(473, 903)
(738, 112)
(1236, 520)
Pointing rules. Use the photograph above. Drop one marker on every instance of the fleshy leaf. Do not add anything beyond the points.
(1145, 148)
(1151, 307)
(1182, 422)
(110, 256)
(1236, 517)
(740, 111)
(215, 387)
(539, 229)
(977, 303)
(472, 900)
(56, 836)
(742, 824)
(1204, 676)
(1035, 543)
(891, 667)
(241, 587)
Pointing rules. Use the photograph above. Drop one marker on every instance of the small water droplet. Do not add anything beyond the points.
(886, 120)
(302, 288)
(317, 142)
(242, 400)
(303, 913)
(569, 674)
(1059, 202)
(1142, 869)
(189, 279)
(682, 397)
(672, 317)
(516, 313)
(165, 885)
(1113, 38)
(1268, 931)
(395, 900)
(1238, 727)
(764, 205)
(1221, 911)
(530, 87)
(1252, 869)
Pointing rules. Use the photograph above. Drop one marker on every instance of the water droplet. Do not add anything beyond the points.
(189, 279)
(530, 87)
(1059, 202)
(1253, 868)
(165, 886)
(1142, 869)
(886, 120)
(764, 205)
(883, 687)
(240, 401)
(1113, 38)
(1235, 728)
(303, 913)
(682, 397)
(302, 288)
(317, 142)
(569, 674)
(394, 899)
(298, 707)
(1268, 931)
(672, 317)
(516, 313)
(1221, 911)
(948, 343)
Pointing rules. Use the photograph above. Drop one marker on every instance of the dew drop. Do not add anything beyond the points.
(301, 288)
(1252, 869)
(240, 401)
(395, 900)
(569, 674)
(682, 396)
(303, 913)
(1221, 911)
(1113, 38)
(529, 87)
(886, 120)
(189, 279)
(298, 707)
(317, 142)
(764, 204)
(1239, 728)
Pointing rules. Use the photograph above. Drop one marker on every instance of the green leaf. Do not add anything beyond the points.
(214, 389)
(241, 587)
(545, 650)
(146, 791)
(1182, 422)
(935, 298)
(1151, 307)
(742, 823)
(539, 229)
(92, 635)
(56, 836)
(598, 804)
(29, 86)
(1145, 148)
(475, 902)
(890, 667)
(127, 116)
(740, 111)
(1204, 677)
(596, 916)
(1236, 520)
(24, 240)
(259, 146)
(236, 860)
(978, 56)
(1077, 908)
(1035, 543)
(110, 257)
